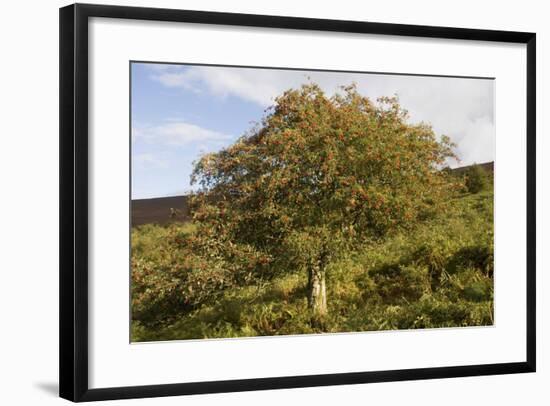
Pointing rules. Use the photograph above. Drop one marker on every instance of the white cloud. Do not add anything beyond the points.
(462, 109)
(178, 133)
(478, 142)
(259, 86)
(148, 159)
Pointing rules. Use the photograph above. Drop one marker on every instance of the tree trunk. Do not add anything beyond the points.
(317, 298)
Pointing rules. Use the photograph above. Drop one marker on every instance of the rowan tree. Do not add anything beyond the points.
(317, 177)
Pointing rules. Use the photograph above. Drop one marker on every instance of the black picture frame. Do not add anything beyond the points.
(73, 333)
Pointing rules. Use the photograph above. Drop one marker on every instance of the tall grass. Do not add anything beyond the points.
(441, 275)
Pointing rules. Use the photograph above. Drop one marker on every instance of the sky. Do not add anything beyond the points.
(180, 112)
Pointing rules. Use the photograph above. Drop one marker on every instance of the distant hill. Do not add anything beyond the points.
(488, 166)
(160, 210)
(165, 210)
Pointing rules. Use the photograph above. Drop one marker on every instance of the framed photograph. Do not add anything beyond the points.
(258, 202)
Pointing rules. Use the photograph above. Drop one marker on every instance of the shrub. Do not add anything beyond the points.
(476, 179)
(478, 291)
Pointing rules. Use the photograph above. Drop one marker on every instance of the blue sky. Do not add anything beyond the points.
(182, 111)
(172, 127)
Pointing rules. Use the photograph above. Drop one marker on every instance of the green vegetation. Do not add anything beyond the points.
(476, 179)
(331, 216)
(439, 276)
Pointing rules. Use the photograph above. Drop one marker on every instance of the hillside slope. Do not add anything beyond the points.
(440, 275)
(159, 210)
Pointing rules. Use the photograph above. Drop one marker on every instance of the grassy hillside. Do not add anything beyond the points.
(439, 276)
